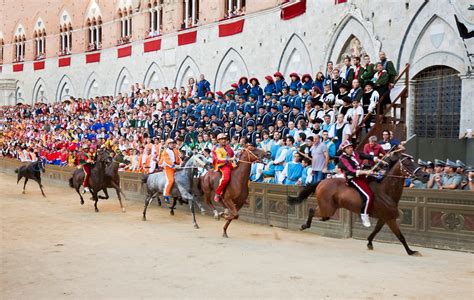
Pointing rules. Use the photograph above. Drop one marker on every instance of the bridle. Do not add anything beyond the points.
(250, 153)
(404, 170)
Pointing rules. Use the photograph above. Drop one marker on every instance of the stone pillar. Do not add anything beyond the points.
(193, 13)
(186, 14)
(467, 106)
(7, 91)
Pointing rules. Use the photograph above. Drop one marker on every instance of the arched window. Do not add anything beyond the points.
(94, 34)
(19, 41)
(125, 16)
(40, 39)
(234, 8)
(155, 18)
(437, 102)
(190, 13)
(65, 34)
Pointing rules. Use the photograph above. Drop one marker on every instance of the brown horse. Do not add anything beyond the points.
(332, 194)
(237, 191)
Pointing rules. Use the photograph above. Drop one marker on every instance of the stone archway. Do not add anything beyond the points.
(231, 68)
(65, 89)
(123, 82)
(39, 92)
(91, 88)
(187, 69)
(153, 77)
(295, 57)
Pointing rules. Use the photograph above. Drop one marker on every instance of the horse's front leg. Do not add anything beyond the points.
(200, 206)
(24, 185)
(148, 200)
(96, 199)
(105, 193)
(173, 206)
(191, 207)
(40, 185)
(118, 190)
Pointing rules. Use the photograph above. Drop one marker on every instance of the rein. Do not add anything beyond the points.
(250, 162)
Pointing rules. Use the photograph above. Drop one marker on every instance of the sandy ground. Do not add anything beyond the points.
(54, 248)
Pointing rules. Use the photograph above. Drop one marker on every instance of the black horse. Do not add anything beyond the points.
(31, 171)
(97, 181)
(112, 180)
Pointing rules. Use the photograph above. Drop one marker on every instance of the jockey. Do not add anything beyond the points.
(169, 159)
(87, 158)
(350, 163)
(223, 161)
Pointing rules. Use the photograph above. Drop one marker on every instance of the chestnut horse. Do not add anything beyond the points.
(237, 191)
(334, 193)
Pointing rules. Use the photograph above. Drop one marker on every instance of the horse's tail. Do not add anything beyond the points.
(145, 178)
(71, 182)
(303, 194)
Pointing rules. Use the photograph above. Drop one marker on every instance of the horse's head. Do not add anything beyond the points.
(412, 169)
(102, 155)
(40, 163)
(252, 154)
(197, 161)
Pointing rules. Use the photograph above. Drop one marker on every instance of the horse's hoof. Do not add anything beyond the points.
(196, 226)
(203, 212)
(303, 227)
(144, 219)
(123, 210)
(370, 246)
(23, 192)
(96, 210)
(225, 235)
(172, 212)
(415, 253)
(82, 202)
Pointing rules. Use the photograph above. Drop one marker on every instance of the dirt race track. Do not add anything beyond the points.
(54, 248)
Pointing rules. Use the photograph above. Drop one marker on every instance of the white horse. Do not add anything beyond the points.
(182, 187)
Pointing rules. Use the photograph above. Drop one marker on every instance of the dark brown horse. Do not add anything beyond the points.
(31, 171)
(97, 180)
(332, 194)
(237, 191)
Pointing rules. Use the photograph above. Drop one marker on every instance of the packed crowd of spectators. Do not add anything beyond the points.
(301, 122)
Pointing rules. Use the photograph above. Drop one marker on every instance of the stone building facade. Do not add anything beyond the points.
(421, 33)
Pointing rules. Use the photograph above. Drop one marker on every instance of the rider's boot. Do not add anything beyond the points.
(365, 220)
(217, 198)
(86, 190)
(167, 200)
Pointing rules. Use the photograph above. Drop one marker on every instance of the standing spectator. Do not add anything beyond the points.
(292, 171)
(340, 130)
(203, 86)
(389, 67)
(331, 147)
(320, 159)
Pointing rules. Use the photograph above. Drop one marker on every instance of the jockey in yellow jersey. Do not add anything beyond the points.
(223, 161)
(169, 160)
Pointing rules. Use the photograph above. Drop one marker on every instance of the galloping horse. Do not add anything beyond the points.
(31, 171)
(182, 187)
(97, 180)
(334, 193)
(112, 180)
(237, 191)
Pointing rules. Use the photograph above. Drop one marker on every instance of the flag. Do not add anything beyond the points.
(463, 31)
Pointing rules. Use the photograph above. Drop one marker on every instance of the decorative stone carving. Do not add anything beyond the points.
(452, 221)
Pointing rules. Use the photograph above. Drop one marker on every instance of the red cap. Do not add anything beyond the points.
(253, 78)
(278, 74)
(294, 74)
(243, 77)
(268, 77)
(306, 75)
(219, 93)
(234, 85)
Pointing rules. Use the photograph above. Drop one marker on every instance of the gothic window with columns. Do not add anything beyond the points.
(40, 43)
(1, 51)
(94, 34)
(19, 41)
(65, 39)
(234, 8)
(190, 13)
(155, 18)
(125, 16)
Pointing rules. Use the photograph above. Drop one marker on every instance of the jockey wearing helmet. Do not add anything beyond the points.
(86, 160)
(350, 163)
(223, 161)
(169, 160)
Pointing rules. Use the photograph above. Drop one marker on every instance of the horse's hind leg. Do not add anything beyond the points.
(105, 193)
(40, 185)
(371, 237)
(148, 200)
(24, 185)
(199, 204)
(225, 227)
(396, 230)
(96, 199)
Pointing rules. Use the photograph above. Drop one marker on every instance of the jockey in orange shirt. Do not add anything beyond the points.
(169, 160)
(223, 161)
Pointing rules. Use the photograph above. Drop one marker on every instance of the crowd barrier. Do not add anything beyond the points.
(430, 218)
